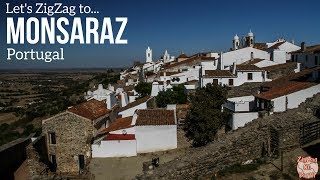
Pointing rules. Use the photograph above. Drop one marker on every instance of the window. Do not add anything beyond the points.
(316, 60)
(230, 82)
(249, 76)
(292, 58)
(53, 162)
(81, 162)
(52, 138)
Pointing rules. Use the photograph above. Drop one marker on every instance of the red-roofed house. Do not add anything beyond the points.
(238, 75)
(289, 92)
(94, 110)
(149, 130)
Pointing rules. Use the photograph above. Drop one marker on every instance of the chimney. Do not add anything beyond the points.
(221, 63)
(234, 68)
(303, 46)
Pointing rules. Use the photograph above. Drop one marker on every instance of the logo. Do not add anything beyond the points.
(307, 167)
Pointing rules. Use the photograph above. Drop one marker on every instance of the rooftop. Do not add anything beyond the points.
(92, 109)
(190, 60)
(248, 67)
(152, 117)
(276, 45)
(289, 88)
(121, 123)
(287, 84)
(218, 73)
(261, 46)
(309, 49)
(254, 61)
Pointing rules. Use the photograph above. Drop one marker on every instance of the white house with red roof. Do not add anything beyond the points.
(148, 130)
(288, 92)
(238, 75)
(120, 141)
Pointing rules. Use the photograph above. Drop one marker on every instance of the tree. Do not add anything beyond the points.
(143, 89)
(174, 96)
(205, 118)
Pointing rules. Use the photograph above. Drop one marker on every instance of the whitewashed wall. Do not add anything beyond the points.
(130, 111)
(156, 138)
(240, 119)
(114, 148)
(279, 104)
(240, 104)
(296, 98)
(279, 56)
(242, 77)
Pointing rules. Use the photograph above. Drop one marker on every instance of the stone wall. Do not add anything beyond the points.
(246, 143)
(73, 137)
(12, 156)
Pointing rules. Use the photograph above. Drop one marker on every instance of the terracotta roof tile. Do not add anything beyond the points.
(121, 123)
(193, 59)
(116, 137)
(261, 46)
(279, 66)
(254, 61)
(248, 67)
(152, 117)
(289, 88)
(276, 45)
(218, 73)
(287, 84)
(92, 109)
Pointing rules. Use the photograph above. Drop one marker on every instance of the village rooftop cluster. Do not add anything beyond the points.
(114, 122)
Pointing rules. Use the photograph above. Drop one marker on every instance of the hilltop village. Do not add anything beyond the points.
(264, 79)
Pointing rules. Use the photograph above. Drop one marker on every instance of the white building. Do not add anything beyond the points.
(102, 94)
(149, 130)
(130, 108)
(156, 130)
(167, 58)
(307, 56)
(288, 92)
(241, 109)
(120, 141)
(238, 75)
(242, 55)
(159, 86)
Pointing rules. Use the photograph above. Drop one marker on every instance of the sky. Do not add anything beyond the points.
(174, 25)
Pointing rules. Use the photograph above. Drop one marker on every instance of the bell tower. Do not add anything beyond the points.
(236, 42)
(250, 39)
(148, 55)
